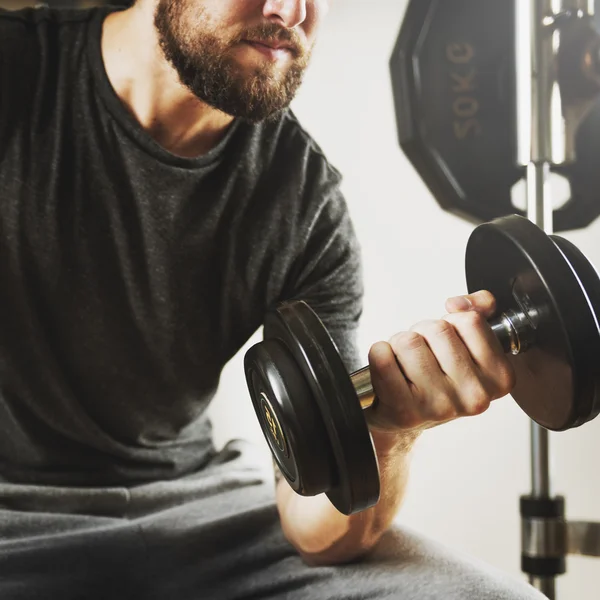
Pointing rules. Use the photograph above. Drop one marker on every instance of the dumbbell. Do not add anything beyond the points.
(314, 414)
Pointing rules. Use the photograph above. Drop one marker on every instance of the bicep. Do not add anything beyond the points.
(330, 277)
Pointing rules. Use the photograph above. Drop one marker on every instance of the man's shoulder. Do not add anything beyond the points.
(291, 143)
(35, 44)
(18, 29)
(26, 21)
(294, 128)
(30, 36)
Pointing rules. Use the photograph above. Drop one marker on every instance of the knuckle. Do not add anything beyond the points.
(442, 328)
(380, 359)
(488, 300)
(438, 328)
(480, 408)
(474, 319)
(500, 377)
(505, 378)
(479, 401)
(469, 318)
(442, 408)
(448, 414)
(407, 340)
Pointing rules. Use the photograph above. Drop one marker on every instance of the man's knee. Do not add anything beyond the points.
(410, 566)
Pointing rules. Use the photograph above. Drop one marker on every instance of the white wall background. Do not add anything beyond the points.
(467, 476)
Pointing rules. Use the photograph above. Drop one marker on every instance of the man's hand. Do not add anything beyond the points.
(434, 373)
(439, 370)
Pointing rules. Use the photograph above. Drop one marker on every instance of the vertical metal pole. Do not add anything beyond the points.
(537, 154)
(539, 200)
(546, 128)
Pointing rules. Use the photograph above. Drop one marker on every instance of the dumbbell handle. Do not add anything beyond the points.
(513, 329)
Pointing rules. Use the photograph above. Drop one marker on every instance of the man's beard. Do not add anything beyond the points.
(205, 66)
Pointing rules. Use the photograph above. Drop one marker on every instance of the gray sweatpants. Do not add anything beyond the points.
(214, 535)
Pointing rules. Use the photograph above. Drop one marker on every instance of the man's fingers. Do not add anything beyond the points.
(432, 395)
(448, 349)
(460, 391)
(485, 351)
(392, 390)
(441, 370)
(482, 302)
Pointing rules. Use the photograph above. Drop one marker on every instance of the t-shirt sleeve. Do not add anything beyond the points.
(18, 69)
(328, 276)
(5, 74)
(7, 60)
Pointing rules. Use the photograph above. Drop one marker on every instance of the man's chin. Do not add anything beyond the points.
(254, 101)
(250, 93)
(251, 73)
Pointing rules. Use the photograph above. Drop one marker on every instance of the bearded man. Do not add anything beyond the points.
(157, 198)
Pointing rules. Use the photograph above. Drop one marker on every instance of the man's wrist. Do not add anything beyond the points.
(391, 444)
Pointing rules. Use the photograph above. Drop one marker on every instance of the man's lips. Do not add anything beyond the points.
(274, 45)
(273, 49)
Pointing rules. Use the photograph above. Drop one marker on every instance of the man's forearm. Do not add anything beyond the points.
(322, 535)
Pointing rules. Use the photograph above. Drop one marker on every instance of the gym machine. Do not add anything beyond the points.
(487, 93)
(518, 84)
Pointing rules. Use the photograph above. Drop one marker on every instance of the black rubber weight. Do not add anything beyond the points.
(289, 418)
(589, 407)
(556, 381)
(356, 485)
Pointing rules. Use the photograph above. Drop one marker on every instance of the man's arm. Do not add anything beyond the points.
(437, 372)
(321, 534)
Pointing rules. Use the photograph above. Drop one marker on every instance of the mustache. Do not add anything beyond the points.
(270, 33)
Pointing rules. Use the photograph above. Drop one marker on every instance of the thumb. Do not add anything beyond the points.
(482, 302)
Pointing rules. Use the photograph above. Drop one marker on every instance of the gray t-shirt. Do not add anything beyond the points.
(130, 276)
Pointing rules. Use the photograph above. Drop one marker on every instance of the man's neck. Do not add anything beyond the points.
(149, 87)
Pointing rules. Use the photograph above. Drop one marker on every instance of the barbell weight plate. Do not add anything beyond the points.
(454, 84)
(289, 418)
(454, 87)
(356, 482)
(556, 378)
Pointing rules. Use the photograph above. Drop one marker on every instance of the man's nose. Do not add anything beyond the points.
(289, 13)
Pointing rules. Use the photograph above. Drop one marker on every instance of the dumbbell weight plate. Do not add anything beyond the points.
(557, 377)
(590, 282)
(355, 485)
(289, 418)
